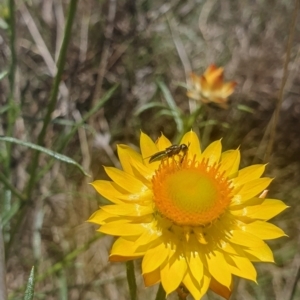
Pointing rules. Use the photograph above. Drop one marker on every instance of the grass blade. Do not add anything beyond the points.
(29, 293)
(172, 105)
(49, 152)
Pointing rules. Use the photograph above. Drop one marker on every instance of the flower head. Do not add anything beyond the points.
(210, 87)
(193, 216)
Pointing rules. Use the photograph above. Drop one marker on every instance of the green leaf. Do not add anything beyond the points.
(51, 153)
(29, 292)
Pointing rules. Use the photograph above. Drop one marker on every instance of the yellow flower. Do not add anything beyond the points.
(195, 218)
(210, 87)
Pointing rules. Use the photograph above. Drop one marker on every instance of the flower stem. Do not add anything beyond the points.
(161, 294)
(131, 279)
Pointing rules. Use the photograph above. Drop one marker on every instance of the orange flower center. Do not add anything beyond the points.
(190, 193)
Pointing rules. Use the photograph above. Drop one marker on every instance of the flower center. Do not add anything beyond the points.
(190, 193)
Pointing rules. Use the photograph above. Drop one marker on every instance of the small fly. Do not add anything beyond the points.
(169, 152)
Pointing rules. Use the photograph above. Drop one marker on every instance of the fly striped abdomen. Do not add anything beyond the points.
(169, 152)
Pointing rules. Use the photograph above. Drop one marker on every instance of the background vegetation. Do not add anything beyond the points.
(119, 67)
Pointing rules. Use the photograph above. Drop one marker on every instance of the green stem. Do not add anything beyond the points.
(54, 93)
(131, 279)
(161, 294)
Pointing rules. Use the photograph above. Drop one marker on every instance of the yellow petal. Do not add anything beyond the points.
(197, 286)
(227, 247)
(264, 230)
(128, 210)
(248, 174)
(218, 268)
(125, 180)
(148, 147)
(100, 217)
(150, 236)
(228, 88)
(108, 190)
(172, 273)
(195, 265)
(126, 156)
(260, 254)
(243, 238)
(250, 190)
(220, 289)
(213, 72)
(123, 247)
(122, 228)
(230, 161)
(139, 169)
(154, 258)
(241, 266)
(205, 86)
(152, 277)
(162, 143)
(191, 139)
(142, 198)
(268, 209)
(213, 152)
(193, 258)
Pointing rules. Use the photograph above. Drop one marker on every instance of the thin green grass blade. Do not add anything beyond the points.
(245, 108)
(49, 152)
(29, 292)
(148, 106)
(171, 104)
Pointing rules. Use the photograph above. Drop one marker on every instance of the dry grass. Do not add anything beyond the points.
(134, 43)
